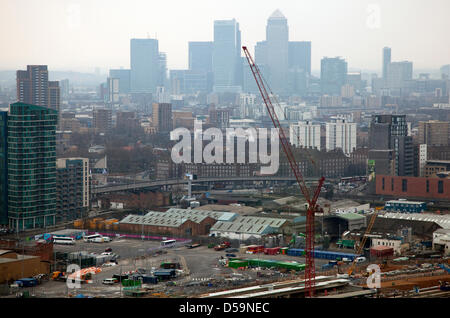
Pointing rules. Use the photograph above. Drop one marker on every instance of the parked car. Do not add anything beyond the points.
(109, 281)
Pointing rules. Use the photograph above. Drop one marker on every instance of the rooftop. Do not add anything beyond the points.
(250, 224)
(441, 220)
(277, 15)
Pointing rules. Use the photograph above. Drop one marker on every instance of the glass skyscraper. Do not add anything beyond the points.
(31, 166)
(300, 56)
(277, 39)
(333, 75)
(3, 168)
(124, 79)
(200, 56)
(145, 65)
(226, 63)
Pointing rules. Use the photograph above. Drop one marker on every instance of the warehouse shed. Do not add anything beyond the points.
(244, 227)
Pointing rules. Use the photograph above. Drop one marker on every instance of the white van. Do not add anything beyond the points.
(360, 259)
(109, 281)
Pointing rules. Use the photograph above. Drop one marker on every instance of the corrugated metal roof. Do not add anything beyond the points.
(174, 217)
(250, 224)
(242, 228)
(441, 220)
(151, 220)
(351, 216)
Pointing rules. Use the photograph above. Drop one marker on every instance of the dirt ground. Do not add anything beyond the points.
(422, 282)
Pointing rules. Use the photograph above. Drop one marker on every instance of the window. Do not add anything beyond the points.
(382, 183)
(392, 184)
(404, 185)
(440, 186)
(428, 186)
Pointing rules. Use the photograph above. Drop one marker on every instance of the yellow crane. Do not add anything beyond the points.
(363, 240)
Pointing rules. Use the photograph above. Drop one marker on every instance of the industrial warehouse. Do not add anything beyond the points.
(212, 171)
(201, 252)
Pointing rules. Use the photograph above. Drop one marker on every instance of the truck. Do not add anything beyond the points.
(61, 276)
(222, 246)
(192, 245)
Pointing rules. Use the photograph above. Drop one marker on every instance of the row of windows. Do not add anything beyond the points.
(405, 185)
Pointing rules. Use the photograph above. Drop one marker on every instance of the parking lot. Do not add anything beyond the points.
(198, 264)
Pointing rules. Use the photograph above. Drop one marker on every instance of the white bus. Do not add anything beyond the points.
(168, 243)
(63, 240)
(96, 238)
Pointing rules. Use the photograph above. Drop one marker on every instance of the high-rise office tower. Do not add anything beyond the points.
(200, 56)
(113, 87)
(54, 96)
(434, 133)
(277, 43)
(388, 134)
(300, 56)
(398, 74)
(3, 168)
(65, 89)
(102, 120)
(305, 134)
(31, 166)
(261, 53)
(33, 87)
(340, 134)
(247, 105)
(200, 73)
(333, 75)
(145, 65)
(188, 81)
(386, 61)
(445, 71)
(162, 117)
(226, 62)
(162, 77)
(73, 188)
(124, 79)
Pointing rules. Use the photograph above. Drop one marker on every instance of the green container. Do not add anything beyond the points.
(130, 283)
(238, 263)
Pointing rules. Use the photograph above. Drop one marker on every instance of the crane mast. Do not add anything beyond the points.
(312, 201)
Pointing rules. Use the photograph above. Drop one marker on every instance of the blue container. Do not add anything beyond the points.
(150, 280)
(26, 282)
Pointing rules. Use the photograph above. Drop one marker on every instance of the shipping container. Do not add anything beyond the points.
(272, 251)
(130, 282)
(237, 263)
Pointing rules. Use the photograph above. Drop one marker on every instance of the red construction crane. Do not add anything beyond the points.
(312, 201)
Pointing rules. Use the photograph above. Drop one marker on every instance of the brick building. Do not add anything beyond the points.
(413, 187)
(142, 200)
(174, 222)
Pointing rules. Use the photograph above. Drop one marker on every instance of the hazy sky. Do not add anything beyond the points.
(84, 34)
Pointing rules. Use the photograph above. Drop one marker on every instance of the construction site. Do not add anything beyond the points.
(301, 246)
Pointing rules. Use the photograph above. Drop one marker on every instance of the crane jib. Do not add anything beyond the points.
(312, 202)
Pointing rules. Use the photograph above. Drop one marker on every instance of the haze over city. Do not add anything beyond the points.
(224, 149)
(83, 35)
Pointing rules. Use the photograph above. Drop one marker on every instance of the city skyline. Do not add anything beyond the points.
(355, 30)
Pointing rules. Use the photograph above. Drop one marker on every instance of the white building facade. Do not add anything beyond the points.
(341, 134)
(305, 134)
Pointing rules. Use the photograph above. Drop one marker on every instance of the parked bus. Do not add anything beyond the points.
(168, 243)
(63, 240)
(96, 238)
